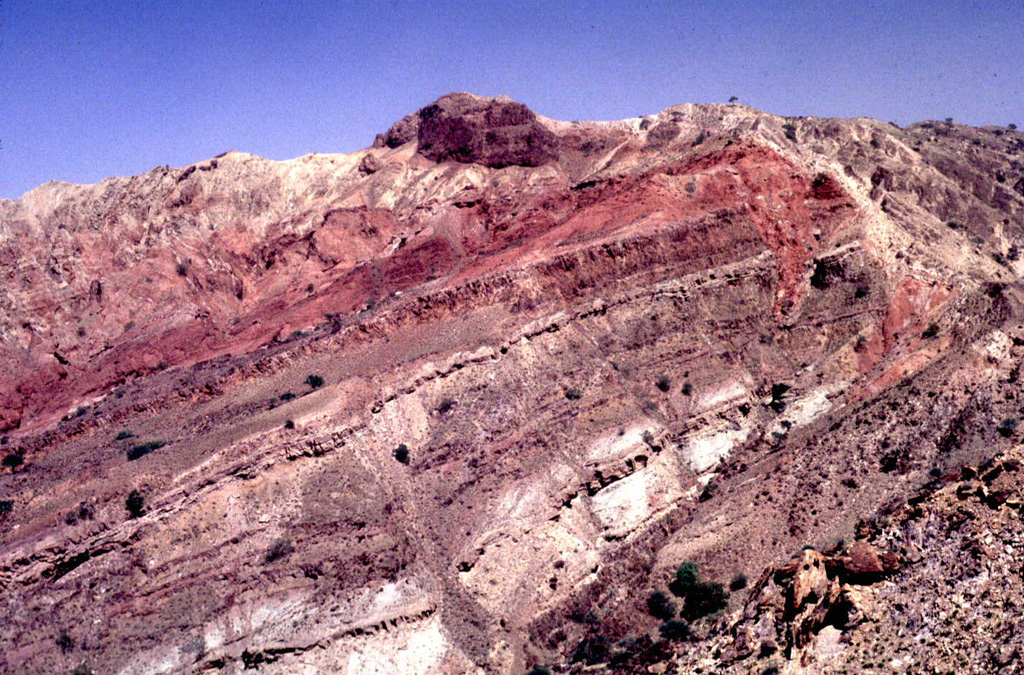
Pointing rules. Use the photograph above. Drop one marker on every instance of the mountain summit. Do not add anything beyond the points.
(465, 402)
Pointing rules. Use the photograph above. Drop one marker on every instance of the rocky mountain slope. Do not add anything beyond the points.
(460, 401)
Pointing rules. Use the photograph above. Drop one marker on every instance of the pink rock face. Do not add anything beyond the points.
(462, 400)
(863, 559)
(810, 581)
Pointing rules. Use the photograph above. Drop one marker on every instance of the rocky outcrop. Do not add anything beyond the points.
(931, 607)
(472, 130)
(791, 606)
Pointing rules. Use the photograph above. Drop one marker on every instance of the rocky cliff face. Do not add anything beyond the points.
(458, 402)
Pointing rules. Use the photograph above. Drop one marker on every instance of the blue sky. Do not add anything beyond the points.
(104, 87)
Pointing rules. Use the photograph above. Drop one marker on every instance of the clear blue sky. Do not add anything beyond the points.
(95, 88)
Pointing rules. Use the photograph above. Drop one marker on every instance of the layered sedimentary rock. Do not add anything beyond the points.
(458, 402)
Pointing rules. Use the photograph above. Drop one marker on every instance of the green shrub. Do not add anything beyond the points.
(660, 606)
(626, 649)
(538, 670)
(591, 650)
(675, 630)
(445, 406)
(401, 453)
(64, 642)
(137, 451)
(664, 383)
(289, 424)
(123, 435)
(1008, 427)
(573, 394)
(315, 381)
(703, 599)
(82, 669)
(711, 489)
(739, 582)
(790, 131)
(13, 460)
(687, 575)
(84, 512)
(6, 506)
(778, 391)
(135, 504)
(280, 549)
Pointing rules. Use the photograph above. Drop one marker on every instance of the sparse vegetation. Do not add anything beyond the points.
(687, 574)
(13, 460)
(278, 550)
(135, 504)
(627, 649)
(538, 670)
(739, 582)
(711, 489)
(573, 394)
(287, 396)
(1008, 427)
(82, 669)
(6, 506)
(675, 630)
(703, 599)
(401, 454)
(778, 391)
(664, 383)
(687, 389)
(143, 449)
(124, 435)
(64, 642)
(790, 130)
(314, 381)
(591, 650)
(289, 424)
(825, 272)
(660, 606)
(931, 331)
(182, 269)
(700, 598)
(84, 512)
(445, 406)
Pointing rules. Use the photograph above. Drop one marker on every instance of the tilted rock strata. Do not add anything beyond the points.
(605, 350)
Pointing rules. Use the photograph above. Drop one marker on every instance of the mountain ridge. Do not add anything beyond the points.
(709, 334)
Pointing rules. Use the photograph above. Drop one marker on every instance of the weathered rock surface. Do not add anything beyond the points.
(472, 130)
(557, 359)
